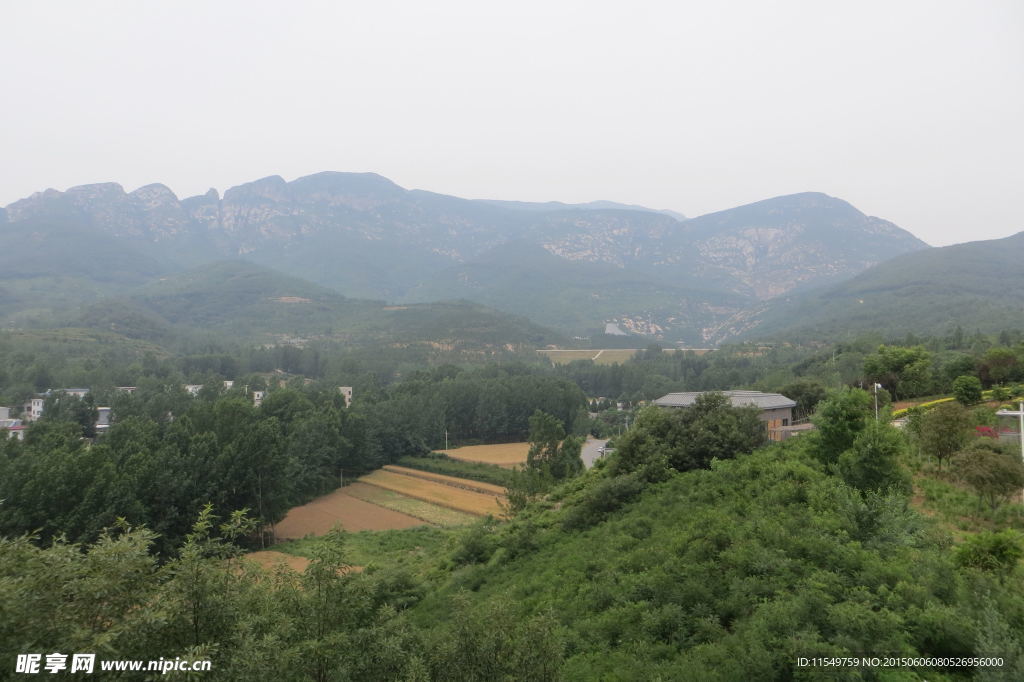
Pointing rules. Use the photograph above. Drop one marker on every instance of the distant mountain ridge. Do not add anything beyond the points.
(364, 236)
(975, 286)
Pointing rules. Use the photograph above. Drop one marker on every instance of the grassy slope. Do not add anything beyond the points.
(728, 574)
(974, 285)
(245, 301)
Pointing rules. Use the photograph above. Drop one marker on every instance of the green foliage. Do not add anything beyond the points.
(997, 552)
(990, 471)
(494, 642)
(689, 438)
(439, 463)
(967, 390)
(903, 371)
(733, 573)
(944, 431)
(873, 460)
(838, 421)
(807, 393)
(551, 451)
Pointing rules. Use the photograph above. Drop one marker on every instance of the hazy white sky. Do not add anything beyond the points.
(912, 110)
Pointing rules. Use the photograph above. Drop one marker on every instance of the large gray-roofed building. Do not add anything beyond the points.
(776, 410)
(764, 401)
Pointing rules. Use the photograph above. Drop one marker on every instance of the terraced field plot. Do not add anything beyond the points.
(343, 508)
(465, 483)
(459, 499)
(505, 455)
(431, 513)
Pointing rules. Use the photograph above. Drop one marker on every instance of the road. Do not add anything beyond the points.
(591, 451)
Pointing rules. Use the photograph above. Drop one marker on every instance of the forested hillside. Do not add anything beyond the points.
(683, 556)
(974, 286)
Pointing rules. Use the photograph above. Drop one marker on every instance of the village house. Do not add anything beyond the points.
(32, 410)
(102, 420)
(13, 427)
(774, 409)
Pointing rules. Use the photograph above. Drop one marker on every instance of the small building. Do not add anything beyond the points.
(16, 432)
(347, 392)
(257, 398)
(125, 389)
(228, 385)
(33, 408)
(775, 409)
(102, 420)
(193, 389)
(73, 392)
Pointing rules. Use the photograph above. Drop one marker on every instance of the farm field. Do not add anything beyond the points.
(475, 486)
(442, 494)
(411, 506)
(505, 455)
(340, 507)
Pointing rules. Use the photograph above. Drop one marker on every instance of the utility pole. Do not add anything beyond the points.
(446, 439)
(877, 386)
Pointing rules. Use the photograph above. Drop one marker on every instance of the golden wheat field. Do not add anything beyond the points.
(434, 514)
(436, 493)
(505, 455)
(340, 508)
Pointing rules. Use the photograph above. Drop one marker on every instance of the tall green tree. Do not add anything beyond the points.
(944, 430)
(873, 461)
(967, 389)
(905, 372)
(993, 473)
(838, 421)
(551, 451)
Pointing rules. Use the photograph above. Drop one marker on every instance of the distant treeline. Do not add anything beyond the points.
(168, 454)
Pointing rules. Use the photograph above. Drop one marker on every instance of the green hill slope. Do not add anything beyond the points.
(975, 285)
(732, 573)
(251, 302)
(49, 266)
(525, 279)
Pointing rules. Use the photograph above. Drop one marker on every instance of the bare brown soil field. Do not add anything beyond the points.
(431, 513)
(436, 493)
(344, 509)
(505, 455)
(467, 484)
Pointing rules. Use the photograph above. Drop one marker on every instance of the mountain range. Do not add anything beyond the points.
(975, 285)
(574, 267)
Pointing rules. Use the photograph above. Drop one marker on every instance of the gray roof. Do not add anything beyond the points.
(764, 401)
